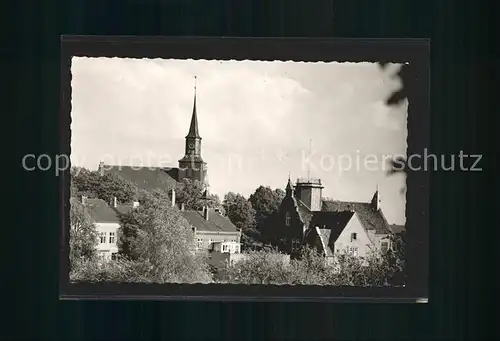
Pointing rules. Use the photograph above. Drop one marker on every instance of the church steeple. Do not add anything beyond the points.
(289, 187)
(193, 128)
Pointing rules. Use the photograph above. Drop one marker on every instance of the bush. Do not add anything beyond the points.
(268, 267)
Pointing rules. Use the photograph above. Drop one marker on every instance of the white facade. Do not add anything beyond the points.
(108, 239)
(353, 239)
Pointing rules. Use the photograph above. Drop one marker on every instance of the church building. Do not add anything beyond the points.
(331, 227)
(191, 165)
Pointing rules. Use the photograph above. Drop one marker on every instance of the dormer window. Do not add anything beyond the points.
(287, 219)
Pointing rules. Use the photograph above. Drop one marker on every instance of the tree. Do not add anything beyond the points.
(83, 237)
(265, 202)
(105, 187)
(239, 211)
(191, 193)
(157, 234)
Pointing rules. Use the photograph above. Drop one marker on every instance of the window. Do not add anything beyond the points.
(111, 237)
(224, 248)
(354, 236)
(113, 255)
(295, 245)
(353, 251)
(102, 237)
(384, 246)
(200, 243)
(287, 219)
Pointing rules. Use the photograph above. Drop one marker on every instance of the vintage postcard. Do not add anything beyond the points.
(208, 174)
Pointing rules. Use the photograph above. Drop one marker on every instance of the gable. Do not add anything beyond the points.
(145, 178)
(354, 226)
(370, 218)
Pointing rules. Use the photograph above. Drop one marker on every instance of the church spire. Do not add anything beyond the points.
(193, 128)
(289, 187)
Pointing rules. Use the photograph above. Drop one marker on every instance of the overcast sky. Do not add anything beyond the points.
(256, 119)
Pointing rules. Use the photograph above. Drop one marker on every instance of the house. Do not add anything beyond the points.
(215, 235)
(105, 218)
(107, 224)
(190, 166)
(333, 227)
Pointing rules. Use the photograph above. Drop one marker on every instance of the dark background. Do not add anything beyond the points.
(463, 232)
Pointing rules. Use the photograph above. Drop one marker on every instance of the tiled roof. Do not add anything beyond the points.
(146, 178)
(324, 236)
(215, 222)
(100, 211)
(123, 208)
(370, 218)
(329, 226)
(396, 229)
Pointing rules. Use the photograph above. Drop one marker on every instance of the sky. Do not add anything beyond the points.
(259, 122)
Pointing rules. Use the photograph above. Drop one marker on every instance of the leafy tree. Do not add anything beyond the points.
(191, 193)
(157, 234)
(239, 210)
(265, 202)
(105, 187)
(83, 237)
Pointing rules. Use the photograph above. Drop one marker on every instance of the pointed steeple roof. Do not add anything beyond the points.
(193, 128)
(289, 186)
(375, 202)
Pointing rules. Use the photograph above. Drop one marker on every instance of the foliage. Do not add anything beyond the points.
(119, 270)
(268, 267)
(265, 202)
(191, 193)
(239, 211)
(157, 234)
(105, 187)
(83, 237)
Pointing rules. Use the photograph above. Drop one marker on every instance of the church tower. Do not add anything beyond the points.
(192, 166)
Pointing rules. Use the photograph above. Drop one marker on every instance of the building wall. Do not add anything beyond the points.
(107, 248)
(359, 246)
(311, 196)
(282, 235)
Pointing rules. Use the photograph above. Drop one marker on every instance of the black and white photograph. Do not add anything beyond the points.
(237, 172)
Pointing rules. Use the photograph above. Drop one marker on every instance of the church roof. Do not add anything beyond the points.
(215, 223)
(145, 178)
(100, 211)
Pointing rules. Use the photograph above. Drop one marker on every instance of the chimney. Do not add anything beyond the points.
(205, 212)
(115, 202)
(172, 195)
(182, 207)
(84, 199)
(101, 168)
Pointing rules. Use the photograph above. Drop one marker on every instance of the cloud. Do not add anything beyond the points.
(250, 115)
